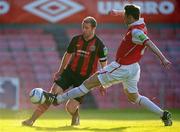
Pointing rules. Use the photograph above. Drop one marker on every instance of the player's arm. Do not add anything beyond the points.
(138, 37)
(64, 62)
(103, 55)
(66, 58)
(103, 64)
(103, 59)
(101, 89)
(103, 52)
(114, 12)
(165, 62)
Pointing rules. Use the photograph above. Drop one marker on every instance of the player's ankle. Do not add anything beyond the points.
(31, 121)
(75, 118)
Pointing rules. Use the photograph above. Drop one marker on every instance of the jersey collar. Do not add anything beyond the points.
(138, 22)
(88, 40)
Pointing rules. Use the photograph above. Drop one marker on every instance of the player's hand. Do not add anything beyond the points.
(114, 12)
(166, 63)
(102, 91)
(56, 76)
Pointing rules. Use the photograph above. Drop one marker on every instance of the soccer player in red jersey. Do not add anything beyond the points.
(125, 68)
(78, 63)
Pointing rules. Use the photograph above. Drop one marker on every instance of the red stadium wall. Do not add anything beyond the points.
(73, 11)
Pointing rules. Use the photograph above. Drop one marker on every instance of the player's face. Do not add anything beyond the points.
(127, 19)
(87, 30)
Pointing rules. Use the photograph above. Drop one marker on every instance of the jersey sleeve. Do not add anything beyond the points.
(103, 52)
(72, 45)
(139, 37)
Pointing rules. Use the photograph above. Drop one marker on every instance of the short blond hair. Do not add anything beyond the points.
(90, 20)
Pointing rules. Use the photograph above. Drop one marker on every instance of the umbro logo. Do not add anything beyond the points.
(53, 10)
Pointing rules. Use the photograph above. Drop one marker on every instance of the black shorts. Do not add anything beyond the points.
(69, 79)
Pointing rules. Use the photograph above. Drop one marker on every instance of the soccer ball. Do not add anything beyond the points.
(37, 96)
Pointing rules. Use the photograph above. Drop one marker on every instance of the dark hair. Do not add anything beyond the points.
(90, 20)
(132, 10)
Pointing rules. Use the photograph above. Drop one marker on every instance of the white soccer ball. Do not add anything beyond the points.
(36, 96)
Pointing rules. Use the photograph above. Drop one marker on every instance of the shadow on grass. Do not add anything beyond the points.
(71, 128)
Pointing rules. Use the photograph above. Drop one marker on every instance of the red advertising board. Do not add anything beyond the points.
(73, 11)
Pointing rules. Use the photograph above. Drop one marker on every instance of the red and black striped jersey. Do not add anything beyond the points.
(86, 54)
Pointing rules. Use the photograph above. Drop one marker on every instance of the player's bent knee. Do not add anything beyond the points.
(92, 81)
(134, 98)
(71, 106)
(55, 89)
(137, 101)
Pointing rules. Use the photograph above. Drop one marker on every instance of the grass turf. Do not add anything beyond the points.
(91, 121)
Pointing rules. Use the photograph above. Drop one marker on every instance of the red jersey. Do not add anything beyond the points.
(132, 46)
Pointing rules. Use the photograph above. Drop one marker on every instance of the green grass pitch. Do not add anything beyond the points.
(91, 121)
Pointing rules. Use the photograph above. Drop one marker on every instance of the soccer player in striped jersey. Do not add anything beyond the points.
(125, 69)
(78, 63)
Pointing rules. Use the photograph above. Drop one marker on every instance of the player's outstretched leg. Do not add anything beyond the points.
(149, 105)
(37, 113)
(73, 93)
(42, 107)
(166, 118)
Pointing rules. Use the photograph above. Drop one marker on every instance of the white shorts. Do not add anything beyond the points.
(115, 73)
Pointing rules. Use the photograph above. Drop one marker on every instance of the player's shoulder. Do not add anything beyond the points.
(136, 31)
(99, 40)
(76, 36)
